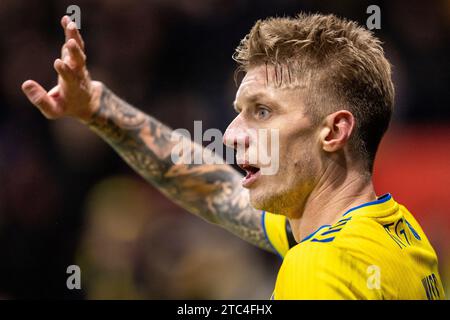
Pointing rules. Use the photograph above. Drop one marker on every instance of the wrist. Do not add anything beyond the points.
(97, 89)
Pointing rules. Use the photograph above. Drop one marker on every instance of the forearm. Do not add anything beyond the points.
(142, 141)
(211, 191)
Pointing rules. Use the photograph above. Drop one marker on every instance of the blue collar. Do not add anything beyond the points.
(381, 199)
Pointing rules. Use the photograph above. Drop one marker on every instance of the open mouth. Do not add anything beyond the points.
(252, 173)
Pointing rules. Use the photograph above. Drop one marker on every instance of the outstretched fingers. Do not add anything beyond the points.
(40, 98)
(64, 71)
(71, 31)
(76, 58)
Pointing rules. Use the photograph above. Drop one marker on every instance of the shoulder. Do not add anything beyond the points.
(351, 243)
(315, 271)
(277, 231)
(353, 235)
(334, 263)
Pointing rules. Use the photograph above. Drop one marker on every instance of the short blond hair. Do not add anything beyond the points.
(343, 64)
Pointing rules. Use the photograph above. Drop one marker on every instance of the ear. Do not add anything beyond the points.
(336, 130)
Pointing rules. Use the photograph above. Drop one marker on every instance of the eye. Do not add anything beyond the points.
(262, 113)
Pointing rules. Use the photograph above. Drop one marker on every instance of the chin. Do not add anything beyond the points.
(263, 200)
(282, 202)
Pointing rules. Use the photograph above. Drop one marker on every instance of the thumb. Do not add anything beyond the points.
(39, 97)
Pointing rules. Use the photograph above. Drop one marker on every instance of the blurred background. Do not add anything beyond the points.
(66, 198)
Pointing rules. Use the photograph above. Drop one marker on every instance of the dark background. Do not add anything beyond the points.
(66, 198)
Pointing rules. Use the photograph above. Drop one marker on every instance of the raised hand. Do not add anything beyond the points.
(75, 95)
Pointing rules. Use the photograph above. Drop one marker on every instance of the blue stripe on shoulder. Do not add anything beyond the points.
(330, 231)
(312, 234)
(323, 240)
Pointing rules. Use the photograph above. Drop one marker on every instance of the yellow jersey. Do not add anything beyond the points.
(375, 251)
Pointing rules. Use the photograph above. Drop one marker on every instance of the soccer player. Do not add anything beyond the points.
(325, 84)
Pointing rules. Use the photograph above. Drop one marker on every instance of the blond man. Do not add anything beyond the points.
(324, 84)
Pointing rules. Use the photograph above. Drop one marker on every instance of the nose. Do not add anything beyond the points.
(236, 136)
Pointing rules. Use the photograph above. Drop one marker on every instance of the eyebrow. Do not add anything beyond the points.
(249, 99)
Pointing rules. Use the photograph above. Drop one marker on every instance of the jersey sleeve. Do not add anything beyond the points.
(278, 232)
(319, 271)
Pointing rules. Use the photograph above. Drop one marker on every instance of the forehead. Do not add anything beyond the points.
(268, 82)
(254, 83)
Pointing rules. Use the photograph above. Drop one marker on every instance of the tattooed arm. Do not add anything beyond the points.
(210, 191)
(213, 192)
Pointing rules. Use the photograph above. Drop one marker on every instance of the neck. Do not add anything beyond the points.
(331, 198)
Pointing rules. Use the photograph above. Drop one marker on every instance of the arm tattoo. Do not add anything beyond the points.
(210, 191)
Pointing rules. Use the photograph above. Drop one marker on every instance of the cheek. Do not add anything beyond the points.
(293, 149)
(301, 160)
(297, 153)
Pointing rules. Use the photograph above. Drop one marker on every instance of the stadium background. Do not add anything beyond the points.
(66, 198)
